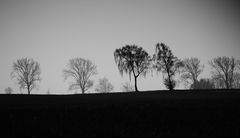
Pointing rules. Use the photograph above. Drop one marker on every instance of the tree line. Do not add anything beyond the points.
(134, 61)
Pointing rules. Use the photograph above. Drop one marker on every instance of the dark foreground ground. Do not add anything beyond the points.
(145, 114)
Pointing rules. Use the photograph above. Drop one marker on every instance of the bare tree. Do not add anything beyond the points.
(166, 62)
(132, 59)
(203, 84)
(218, 81)
(224, 69)
(81, 70)
(127, 87)
(104, 86)
(27, 72)
(8, 90)
(191, 70)
(236, 80)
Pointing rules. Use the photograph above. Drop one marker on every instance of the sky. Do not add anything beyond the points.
(54, 31)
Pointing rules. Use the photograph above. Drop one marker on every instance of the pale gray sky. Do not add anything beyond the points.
(53, 31)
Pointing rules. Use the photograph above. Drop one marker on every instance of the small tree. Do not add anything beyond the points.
(81, 70)
(8, 90)
(48, 92)
(104, 86)
(132, 59)
(224, 69)
(218, 81)
(127, 87)
(166, 62)
(191, 70)
(27, 72)
(202, 84)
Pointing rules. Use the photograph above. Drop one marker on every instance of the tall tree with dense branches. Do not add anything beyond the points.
(166, 62)
(132, 60)
(81, 70)
(224, 69)
(27, 72)
(191, 70)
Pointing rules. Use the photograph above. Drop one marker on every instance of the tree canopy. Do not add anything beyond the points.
(81, 70)
(191, 70)
(224, 70)
(27, 72)
(132, 59)
(166, 62)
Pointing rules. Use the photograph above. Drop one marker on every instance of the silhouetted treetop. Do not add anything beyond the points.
(166, 62)
(27, 72)
(81, 70)
(132, 59)
(224, 70)
(191, 70)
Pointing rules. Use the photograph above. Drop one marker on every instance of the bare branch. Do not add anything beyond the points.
(224, 70)
(191, 70)
(27, 72)
(104, 86)
(80, 70)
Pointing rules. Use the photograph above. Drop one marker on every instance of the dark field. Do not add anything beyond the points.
(208, 113)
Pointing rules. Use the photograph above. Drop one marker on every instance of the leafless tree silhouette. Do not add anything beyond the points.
(27, 72)
(224, 69)
(81, 70)
(236, 80)
(132, 59)
(191, 70)
(104, 86)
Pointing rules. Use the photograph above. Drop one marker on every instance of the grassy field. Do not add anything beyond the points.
(182, 113)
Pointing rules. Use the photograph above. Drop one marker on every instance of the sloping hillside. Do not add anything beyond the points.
(145, 114)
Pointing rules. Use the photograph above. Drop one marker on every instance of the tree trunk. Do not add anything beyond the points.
(227, 81)
(28, 88)
(170, 85)
(195, 83)
(82, 90)
(170, 82)
(136, 89)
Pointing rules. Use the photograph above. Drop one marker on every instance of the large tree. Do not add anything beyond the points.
(191, 70)
(167, 63)
(132, 60)
(27, 72)
(224, 69)
(81, 70)
(104, 86)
